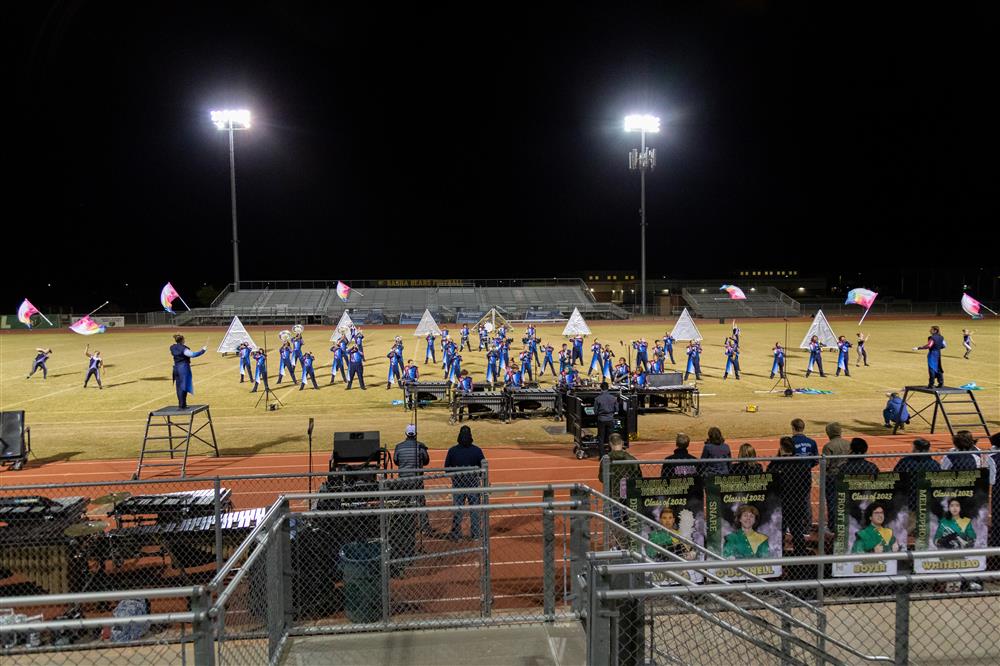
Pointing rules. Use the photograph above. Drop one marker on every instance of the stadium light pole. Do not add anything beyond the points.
(642, 160)
(231, 120)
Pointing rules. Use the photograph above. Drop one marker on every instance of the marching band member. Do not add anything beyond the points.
(411, 372)
(41, 357)
(732, 351)
(577, 349)
(513, 377)
(492, 368)
(641, 347)
(966, 342)
(444, 343)
(359, 340)
(606, 364)
(339, 360)
(621, 373)
(285, 361)
(307, 371)
(656, 366)
(430, 349)
(446, 353)
(525, 358)
(862, 353)
(639, 378)
(260, 370)
(547, 361)
(394, 372)
(296, 346)
(736, 333)
(815, 356)
(595, 359)
(356, 367)
(183, 381)
(533, 343)
(455, 368)
(465, 382)
(243, 349)
(504, 352)
(464, 333)
(843, 357)
(530, 331)
(694, 359)
(565, 358)
(94, 367)
(779, 360)
(935, 344)
(668, 345)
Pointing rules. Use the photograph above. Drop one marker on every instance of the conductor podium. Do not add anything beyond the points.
(174, 426)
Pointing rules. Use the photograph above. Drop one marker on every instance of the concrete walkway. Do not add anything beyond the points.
(561, 644)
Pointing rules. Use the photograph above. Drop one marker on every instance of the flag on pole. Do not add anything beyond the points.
(167, 297)
(862, 297)
(969, 304)
(735, 293)
(27, 309)
(343, 291)
(86, 326)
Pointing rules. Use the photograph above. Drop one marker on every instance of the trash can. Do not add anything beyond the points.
(361, 566)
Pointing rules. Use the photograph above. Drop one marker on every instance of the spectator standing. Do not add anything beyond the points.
(465, 454)
(715, 447)
(859, 465)
(914, 464)
(671, 468)
(745, 467)
(835, 446)
(412, 454)
(957, 458)
(605, 406)
(804, 445)
(795, 481)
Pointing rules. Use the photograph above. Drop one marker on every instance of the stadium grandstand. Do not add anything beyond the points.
(764, 302)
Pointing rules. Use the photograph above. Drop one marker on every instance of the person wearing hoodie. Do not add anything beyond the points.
(465, 454)
(715, 447)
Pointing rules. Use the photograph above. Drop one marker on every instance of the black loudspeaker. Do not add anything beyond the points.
(14, 440)
(661, 379)
(356, 447)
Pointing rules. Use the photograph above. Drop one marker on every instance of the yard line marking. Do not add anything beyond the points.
(174, 394)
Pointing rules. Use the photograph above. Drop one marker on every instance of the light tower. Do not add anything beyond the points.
(642, 160)
(229, 120)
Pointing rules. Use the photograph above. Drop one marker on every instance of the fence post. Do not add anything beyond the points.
(385, 553)
(204, 639)
(278, 583)
(902, 651)
(598, 618)
(218, 524)
(579, 544)
(486, 581)
(606, 480)
(548, 558)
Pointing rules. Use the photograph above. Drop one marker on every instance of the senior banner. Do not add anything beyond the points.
(743, 521)
(677, 505)
(952, 507)
(872, 517)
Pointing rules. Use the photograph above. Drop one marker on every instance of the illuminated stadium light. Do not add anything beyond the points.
(236, 119)
(642, 123)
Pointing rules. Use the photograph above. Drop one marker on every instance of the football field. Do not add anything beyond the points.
(69, 422)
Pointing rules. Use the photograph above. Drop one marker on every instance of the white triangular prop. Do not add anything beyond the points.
(427, 325)
(821, 329)
(576, 324)
(234, 336)
(685, 329)
(343, 329)
(492, 319)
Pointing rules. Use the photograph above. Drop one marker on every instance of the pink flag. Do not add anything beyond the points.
(167, 297)
(25, 311)
(86, 326)
(969, 304)
(862, 297)
(343, 291)
(735, 293)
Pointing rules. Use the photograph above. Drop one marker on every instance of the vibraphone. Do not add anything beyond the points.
(167, 507)
(424, 391)
(683, 399)
(531, 401)
(33, 544)
(493, 403)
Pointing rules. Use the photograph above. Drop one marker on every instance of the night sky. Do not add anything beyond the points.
(485, 140)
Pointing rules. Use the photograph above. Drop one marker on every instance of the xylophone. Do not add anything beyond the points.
(535, 401)
(167, 507)
(494, 403)
(424, 391)
(33, 543)
(683, 399)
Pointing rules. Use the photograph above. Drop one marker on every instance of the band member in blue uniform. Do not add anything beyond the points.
(260, 370)
(548, 361)
(339, 350)
(296, 348)
(639, 380)
(843, 356)
(359, 340)
(621, 373)
(862, 352)
(455, 369)
(41, 356)
(463, 385)
(641, 348)
(565, 358)
(694, 360)
(595, 358)
(736, 333)
(935, 345)
(285, 362)
(504, 349)
(577, 349)
(966, 342)
(464, 333)
(445, 355)
(183, 381)
(411, 372)
(533, 343)
(484, 337)
(444, 344)
(779, 360)
(668, 345)
(94, 367)
(308, 371)
(529, 332)
(395, 372)
(246, 368)
(656, 366)
(525, 358)
(492, 365)
(513, 378)
(607, 364)
(356, 367)
(732, 351)
(429, 354)
(815, 356)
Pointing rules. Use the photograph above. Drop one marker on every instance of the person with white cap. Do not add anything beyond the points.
(412, 454)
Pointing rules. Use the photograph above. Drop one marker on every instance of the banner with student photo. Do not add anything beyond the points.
(743, 521)
(678, 505)
(871, 517)
(952, 507)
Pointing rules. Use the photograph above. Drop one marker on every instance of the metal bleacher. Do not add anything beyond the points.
(765, 302)
(279, 302)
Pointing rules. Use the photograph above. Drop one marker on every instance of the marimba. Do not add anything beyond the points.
(492, 403)
(170, 507)
(531, 401)
(683, 398)
(33, 543)
(418, 391)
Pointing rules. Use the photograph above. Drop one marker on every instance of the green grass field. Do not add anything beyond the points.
(69, 422)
